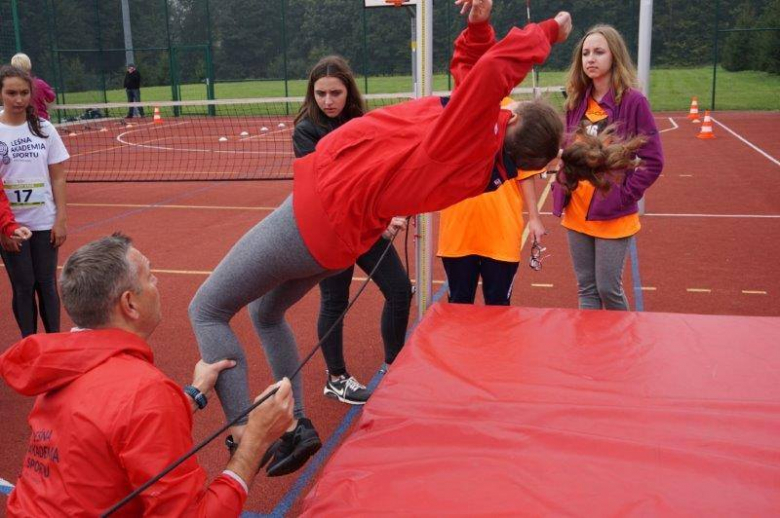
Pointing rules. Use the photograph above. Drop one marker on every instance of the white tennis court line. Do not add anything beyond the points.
(114, 147)
(746, 141)
(198, 150)
(669, 215)
(674, 126)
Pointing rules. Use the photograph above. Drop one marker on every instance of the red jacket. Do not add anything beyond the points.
(416, 156)
(7, 222)
(104, 422)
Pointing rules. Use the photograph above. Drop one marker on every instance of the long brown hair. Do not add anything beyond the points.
(536, 138)
(331, 66)
(623, 70)
(33, 122)
(599, 160)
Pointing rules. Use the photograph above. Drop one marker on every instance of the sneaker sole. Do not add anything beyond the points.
(335, 395)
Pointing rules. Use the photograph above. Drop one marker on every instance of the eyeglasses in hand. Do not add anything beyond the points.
(536, 256)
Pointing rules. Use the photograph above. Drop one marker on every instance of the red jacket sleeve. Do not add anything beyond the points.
(471, 116)
(471, 44)
(159, 431)
(7, 222)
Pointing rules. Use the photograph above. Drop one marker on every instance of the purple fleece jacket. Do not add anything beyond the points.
(632, 117)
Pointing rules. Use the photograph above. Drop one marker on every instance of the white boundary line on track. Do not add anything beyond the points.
(746, 141)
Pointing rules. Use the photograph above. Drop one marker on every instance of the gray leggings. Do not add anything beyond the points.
(269, 269)
(598, 265)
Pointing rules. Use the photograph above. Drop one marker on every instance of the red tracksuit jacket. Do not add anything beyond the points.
(105, 421)
(417, 156)
(7, 222)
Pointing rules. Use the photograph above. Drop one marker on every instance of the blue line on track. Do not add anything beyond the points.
(639, 301)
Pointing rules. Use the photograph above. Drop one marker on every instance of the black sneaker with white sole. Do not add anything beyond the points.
(347, 390)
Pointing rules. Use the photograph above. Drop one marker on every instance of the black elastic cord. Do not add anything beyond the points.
(195, 449)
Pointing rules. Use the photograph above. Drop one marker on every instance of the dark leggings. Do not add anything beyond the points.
(33, 271)
(463, 275)
(392, 280)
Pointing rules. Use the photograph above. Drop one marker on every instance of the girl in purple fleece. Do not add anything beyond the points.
(601, 212)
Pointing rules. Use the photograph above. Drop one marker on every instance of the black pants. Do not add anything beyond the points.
(33, 270)
(463, 275)
(394, 284)
(134, 96)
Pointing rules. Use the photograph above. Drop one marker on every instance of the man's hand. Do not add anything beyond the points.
(397, 224)
(206, 374)
(10, 244)
(266, 424)
(564, 26)
(271, 419)
(479, 9)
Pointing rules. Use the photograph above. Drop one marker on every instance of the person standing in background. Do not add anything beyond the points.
(32, 169)
(601, 215)
(332, 99)
(42, 93)
(482, 237)
(133, 89)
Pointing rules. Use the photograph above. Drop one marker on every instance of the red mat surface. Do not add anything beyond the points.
(540, 412)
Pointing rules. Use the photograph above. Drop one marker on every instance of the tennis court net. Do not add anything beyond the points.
(238, 139)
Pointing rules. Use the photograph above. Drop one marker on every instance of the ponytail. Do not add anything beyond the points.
(34, 122)
(600, 160)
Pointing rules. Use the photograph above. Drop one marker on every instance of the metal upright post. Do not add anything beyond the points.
(715, 53)
(284, 54)
(171, 59)
(424, 87)
(210, 87)
(100, 49)
(128, 30)
(643, 60)
(365, 52)
(17, 30)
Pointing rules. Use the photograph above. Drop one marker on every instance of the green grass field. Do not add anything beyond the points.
(670, 89)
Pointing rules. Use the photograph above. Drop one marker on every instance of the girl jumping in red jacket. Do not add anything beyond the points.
(414, 157)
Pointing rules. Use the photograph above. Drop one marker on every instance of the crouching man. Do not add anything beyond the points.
(106, 419)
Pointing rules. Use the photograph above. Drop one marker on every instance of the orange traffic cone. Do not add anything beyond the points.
(157, 117)
(706, 127)
(693, 114)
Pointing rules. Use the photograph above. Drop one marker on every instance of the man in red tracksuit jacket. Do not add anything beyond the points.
(105, 419)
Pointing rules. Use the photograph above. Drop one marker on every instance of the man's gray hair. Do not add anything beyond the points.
(94, 278)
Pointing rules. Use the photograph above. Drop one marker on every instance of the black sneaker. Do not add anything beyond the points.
(294, 448)
(347, 390)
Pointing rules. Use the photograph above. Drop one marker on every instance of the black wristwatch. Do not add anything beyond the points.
(197, 396)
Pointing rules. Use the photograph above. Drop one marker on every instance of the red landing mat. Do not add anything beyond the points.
(540, 412)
